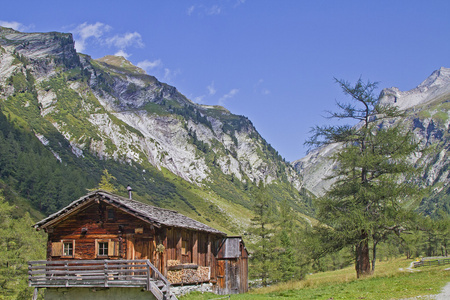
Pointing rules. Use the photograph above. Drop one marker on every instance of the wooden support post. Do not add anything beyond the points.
(165, 254)
(195, 248)
(179, 245)
(35, 294)
(208, 252)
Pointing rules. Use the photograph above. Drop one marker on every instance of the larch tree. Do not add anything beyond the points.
(262, 231)
(365, 204)
(107, 182)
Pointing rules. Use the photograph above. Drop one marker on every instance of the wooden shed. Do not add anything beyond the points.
(104, 226)
(232, 262)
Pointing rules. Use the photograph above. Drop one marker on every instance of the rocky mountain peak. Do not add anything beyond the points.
(121, 63)
(435, 86)
(40, 45)
(437, 78)
(111, 109)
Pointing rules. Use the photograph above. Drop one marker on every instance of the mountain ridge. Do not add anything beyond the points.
(109, 112)
(427, 114)
(436, 85)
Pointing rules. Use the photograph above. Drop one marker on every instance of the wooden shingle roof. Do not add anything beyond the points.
(152, 214)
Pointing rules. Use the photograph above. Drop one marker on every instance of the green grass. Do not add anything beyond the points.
(389, 282)
(441, 116)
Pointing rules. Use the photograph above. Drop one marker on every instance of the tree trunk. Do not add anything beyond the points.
(374, 258)
(362, 258)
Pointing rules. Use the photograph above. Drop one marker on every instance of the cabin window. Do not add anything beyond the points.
(65, 248)
(102, 248)
(110, 214)
(107, 248)
(68, 248)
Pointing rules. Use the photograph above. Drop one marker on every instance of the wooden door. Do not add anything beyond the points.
(143, 248)
(221, 276)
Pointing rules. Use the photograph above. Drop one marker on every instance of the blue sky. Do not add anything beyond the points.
(272, 61)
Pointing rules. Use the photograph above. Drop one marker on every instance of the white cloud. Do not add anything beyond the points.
(122, 53)
(259, 89)
(148, 65)
(126, 40)
(211, 89)
(225, 97)
(190, 10)
(169, 75)
(199, 99)
(265, 92)
(213, 10)
(239, 2)
(97, 31)
(85, 31)
(14, 25)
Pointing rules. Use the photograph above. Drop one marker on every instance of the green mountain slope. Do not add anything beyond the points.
(65, 118)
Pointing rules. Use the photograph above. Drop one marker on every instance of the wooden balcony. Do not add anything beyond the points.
(99, 273)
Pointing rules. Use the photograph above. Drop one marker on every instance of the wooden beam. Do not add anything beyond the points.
(179, 245)
(195, 248)
(208, 251)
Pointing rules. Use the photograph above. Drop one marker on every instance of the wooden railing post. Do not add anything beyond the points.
(148, 277)
(30, 276)
(35, 294)
(105, 270)
(66, 265)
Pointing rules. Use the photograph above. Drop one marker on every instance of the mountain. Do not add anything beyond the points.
(427, 112)
(88, 114)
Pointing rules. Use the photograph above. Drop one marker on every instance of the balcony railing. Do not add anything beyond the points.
(99, 273)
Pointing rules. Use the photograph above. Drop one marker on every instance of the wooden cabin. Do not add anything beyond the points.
(104, 226)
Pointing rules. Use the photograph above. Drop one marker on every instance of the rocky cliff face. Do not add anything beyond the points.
(113, 109)
(427, 110)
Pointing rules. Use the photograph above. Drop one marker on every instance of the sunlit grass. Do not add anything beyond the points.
(391, 280)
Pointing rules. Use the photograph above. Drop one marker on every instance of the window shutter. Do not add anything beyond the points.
(57, 249)
(116, 248)
(113, 248)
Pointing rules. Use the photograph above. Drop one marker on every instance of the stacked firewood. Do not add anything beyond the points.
(175, 276)
(187, 275)
(203, 273)
(173, 262)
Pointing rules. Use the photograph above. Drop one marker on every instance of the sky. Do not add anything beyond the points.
(271, 61)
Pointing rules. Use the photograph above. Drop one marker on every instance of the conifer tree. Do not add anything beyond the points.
(19, 243)
(106, 182)
(364, 205)
(262, 230)
(287, 261)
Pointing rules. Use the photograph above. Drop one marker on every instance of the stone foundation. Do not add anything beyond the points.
(97, 294)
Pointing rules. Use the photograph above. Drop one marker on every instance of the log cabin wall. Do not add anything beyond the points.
(191, 247)
(98, 223)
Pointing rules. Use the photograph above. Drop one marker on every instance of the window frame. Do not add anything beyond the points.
(97, 248)
(110, 214)
(111, 249)
(63, 248)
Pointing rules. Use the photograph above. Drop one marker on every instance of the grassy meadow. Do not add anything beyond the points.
(392, 280)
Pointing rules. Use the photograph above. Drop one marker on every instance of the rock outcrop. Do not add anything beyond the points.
(113, 109)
